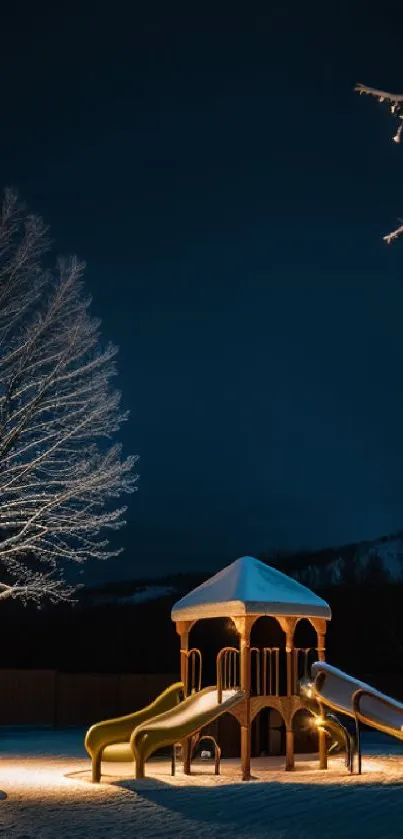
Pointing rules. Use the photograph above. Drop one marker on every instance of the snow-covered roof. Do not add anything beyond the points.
(249, 587)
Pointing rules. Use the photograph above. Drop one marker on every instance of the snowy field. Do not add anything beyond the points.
(45, 792)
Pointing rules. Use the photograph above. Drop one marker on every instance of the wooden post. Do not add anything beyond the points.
(322, 749)
(289, 750)
(320, 627)
(183, 628)
(244, 626)
(288, 625)
(245, 685)
(289, 647)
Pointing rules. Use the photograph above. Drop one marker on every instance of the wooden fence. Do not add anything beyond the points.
(50, 698)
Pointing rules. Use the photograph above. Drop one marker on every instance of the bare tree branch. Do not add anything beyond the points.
(394, 235)
(59, 479)
(395, 101)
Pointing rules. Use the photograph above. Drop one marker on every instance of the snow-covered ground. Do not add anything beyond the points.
(45, 792)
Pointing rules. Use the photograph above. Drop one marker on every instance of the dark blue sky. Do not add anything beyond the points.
(229, 192)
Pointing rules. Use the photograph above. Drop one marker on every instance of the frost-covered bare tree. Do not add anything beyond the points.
(61, 474)
(395, 102)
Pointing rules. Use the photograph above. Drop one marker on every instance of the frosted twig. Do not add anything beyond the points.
(395, 101)
(394, 235)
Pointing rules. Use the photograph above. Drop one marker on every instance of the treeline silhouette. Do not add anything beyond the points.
(365, 636)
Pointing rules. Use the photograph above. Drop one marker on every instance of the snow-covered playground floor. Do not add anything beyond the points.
(46, 793)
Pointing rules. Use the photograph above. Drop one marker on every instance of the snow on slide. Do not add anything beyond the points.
(204, 702)
(336, 689)
(180, 722)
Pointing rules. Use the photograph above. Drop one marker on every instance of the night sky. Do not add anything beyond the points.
(229, 192)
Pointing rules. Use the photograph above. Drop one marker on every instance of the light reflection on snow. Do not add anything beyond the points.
(75, 779)
(36, 774)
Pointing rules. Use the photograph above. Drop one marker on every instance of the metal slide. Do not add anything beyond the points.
(179, 723)
(343, 694)
(328, 722)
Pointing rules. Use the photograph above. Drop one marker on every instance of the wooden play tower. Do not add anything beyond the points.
(243, 592)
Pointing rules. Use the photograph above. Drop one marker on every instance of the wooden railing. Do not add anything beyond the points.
(265, 671)
(194, 659)
(228, 671)
(255, 669)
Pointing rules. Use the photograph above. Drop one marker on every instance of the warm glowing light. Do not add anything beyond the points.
(42, 774)
(319, 721)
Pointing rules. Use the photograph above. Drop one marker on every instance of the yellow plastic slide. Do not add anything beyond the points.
(179, 723)
(110, 740)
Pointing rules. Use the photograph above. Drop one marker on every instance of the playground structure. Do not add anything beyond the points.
(244, 592)
(249, 678)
